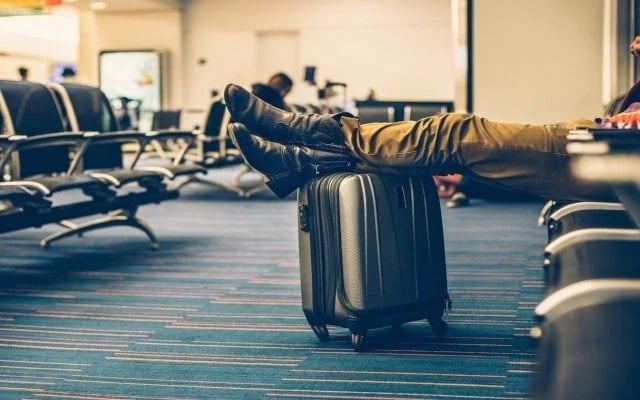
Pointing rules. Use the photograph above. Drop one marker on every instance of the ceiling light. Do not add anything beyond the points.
(97, 5)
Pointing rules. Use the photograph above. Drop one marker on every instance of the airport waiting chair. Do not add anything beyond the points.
(30, 110)
(591, 253)
(17, 98)
(591, 240)
(19, 207)
(165, 119)
(88, 109)
(58, 181)
(375, 113)
(587, 338)
(416, 112)
(587, 214)
(26, 101)
(213, 149)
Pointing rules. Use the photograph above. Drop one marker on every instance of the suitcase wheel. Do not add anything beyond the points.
(357, 341)
(321, 332)
(438, 326)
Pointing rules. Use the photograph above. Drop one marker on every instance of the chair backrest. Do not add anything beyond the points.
(216, 126)
(92, 111)
(398, 110)
(375, 114)
(416, 112)
(165, 119)
(34, 110)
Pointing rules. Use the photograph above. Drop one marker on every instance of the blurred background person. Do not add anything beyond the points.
(459, 190)
(23, 72)
(68, 74)
(278, 86)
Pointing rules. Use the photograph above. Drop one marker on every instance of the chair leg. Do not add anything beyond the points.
(544, 212)
(235, 183)
(68, 224)
(261, 186)
(122, 218)
(225, 186)
(245, 169)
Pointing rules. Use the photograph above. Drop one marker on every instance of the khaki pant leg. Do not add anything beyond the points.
(526, 158)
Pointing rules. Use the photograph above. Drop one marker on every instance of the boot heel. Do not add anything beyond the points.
(282, 189)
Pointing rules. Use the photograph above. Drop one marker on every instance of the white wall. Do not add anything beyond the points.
(538, 61)
(37, 42)
(39, 68)
(535, 61)
(158, 30)
(402, 49)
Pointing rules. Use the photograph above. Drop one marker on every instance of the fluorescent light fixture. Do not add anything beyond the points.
(97, 5)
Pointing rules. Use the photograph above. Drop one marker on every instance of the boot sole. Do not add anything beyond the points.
(271, 184)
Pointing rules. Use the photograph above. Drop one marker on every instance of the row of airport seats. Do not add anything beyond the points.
(212, 149)
(63, 161)
(393, 111)
(589, 318)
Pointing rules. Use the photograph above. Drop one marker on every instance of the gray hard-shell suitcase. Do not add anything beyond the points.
(371, 253)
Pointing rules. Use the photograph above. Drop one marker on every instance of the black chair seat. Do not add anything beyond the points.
(14, 194)
(21, 198)
(215, 160)
(47, 185)
(173, 171)
(122, 176)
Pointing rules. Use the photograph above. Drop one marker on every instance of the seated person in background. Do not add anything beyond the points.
(125, 115)
(68, 74)
(290, 149)
(275, 90)
(23, 73)
(461, 189)
(625, 109)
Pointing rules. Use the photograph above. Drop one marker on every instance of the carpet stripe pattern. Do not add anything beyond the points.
(215, 313)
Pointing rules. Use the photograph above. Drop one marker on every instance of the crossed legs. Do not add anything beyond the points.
(527, 158)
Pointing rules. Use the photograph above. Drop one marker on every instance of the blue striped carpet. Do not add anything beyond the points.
(215, 313)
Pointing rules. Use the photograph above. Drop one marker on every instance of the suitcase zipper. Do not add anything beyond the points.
(329, 243)
(317, 271)
(326, 258)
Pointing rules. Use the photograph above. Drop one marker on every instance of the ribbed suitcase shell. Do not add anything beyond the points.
(371, 253)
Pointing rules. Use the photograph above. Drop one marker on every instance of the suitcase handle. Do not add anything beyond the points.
(303, 217)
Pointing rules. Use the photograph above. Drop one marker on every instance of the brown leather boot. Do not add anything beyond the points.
(320, 132)
(287, 166)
